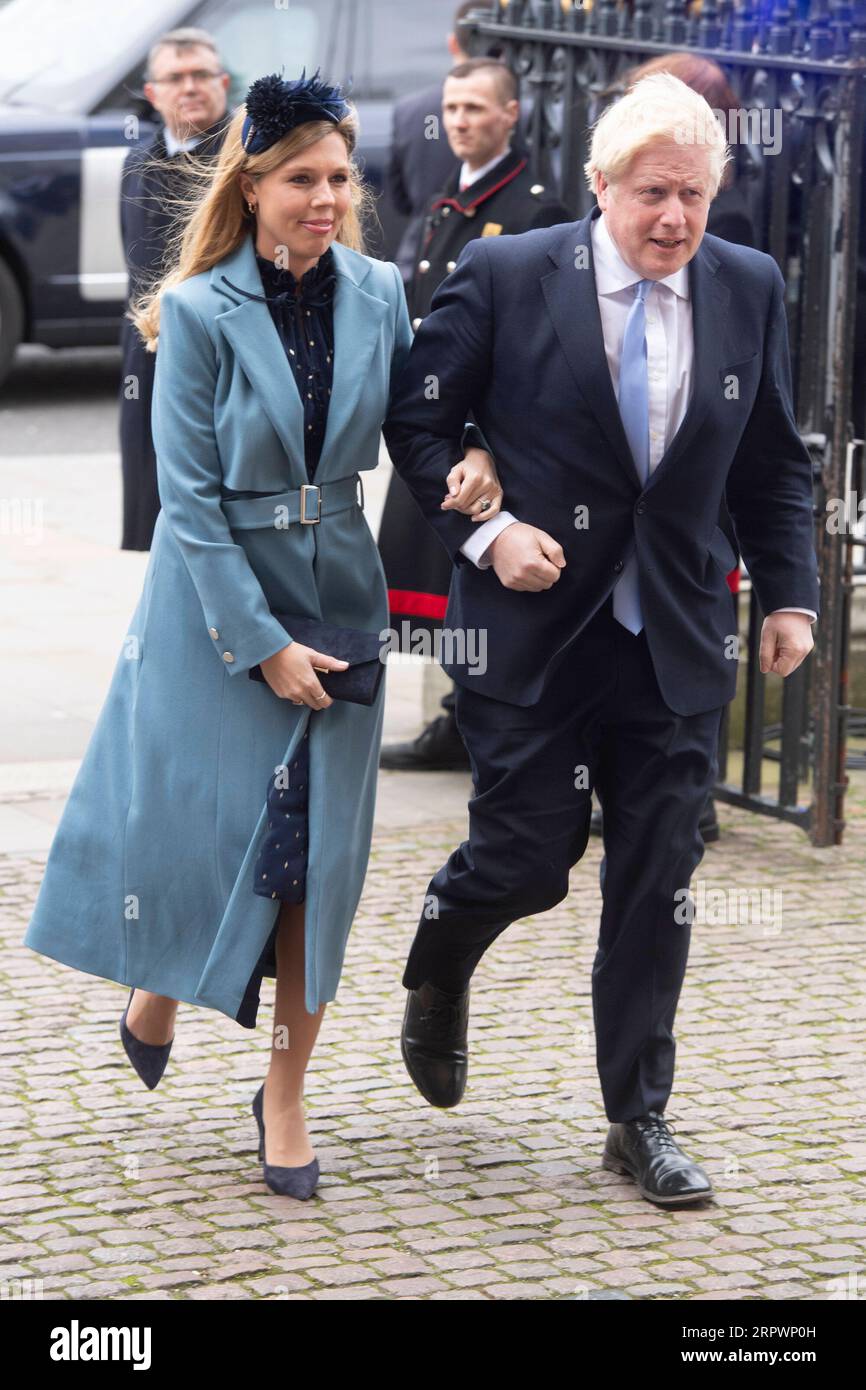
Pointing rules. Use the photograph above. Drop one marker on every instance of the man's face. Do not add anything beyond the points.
(657, 208)
(476, 120)
(187, 89)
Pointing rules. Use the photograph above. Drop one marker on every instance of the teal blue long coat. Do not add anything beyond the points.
(149, 876)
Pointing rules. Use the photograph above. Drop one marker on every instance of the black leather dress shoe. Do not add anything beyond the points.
(708, 824)
(433, 1042)
(438, 748)
(646, 1150)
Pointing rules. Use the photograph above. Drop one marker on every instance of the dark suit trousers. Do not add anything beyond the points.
(601, 723)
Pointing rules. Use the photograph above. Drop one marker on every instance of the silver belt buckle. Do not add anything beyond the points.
(307, 488)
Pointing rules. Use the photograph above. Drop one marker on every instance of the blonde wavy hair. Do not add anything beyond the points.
(212, 219)
(658, 107)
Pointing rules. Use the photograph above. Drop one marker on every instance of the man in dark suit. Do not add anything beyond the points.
(187, 86)
(625, 370)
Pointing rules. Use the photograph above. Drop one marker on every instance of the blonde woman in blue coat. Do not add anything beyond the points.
(176, 868)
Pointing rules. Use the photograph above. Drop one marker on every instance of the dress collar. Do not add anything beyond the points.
(277, 279)
(314, 290)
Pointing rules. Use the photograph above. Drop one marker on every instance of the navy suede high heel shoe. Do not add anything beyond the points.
(149, 1059)
(297, 1182)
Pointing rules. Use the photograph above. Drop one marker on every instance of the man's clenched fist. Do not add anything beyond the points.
(526, 558)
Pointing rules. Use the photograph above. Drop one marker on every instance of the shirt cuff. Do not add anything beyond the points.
(472, 438)
(483, 537)
(808, 611)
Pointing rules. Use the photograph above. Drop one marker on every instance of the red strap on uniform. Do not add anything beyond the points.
(419, 604)
(482, 197)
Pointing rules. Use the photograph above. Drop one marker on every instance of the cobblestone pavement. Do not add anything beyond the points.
(109, 1190)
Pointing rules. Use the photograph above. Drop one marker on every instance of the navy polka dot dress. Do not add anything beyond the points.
(281, 868)
(302, 313)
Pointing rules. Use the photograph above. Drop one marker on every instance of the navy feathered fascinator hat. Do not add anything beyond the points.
(275, 107)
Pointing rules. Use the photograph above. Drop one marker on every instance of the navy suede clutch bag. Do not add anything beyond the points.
(359, 683)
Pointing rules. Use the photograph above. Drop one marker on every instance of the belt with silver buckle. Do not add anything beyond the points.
(316, 501)
(309, 504)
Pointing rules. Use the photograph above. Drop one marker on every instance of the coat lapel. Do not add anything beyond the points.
(358, 318)
(572, 303)
(248, 327)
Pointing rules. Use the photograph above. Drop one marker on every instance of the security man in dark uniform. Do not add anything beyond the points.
(187, 87)
(421, 158)
(491, 193)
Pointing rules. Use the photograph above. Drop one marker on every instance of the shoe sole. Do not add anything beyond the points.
(437, 1103)
(618, 1165)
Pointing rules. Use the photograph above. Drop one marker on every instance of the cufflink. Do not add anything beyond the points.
(228, 656)
(213, 632)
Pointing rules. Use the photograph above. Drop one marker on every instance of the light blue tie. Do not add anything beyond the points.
(633, 396)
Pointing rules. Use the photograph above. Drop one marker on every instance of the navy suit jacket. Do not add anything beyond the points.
(514, 336)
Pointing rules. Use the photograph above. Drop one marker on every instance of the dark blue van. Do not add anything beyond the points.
(71, 106)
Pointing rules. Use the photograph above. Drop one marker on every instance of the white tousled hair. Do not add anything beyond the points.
(658, 107)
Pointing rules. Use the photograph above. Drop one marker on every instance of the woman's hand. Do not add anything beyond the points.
(292, 674)
(472, 482)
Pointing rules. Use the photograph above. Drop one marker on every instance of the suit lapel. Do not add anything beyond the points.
(710, 301)
(572, 303)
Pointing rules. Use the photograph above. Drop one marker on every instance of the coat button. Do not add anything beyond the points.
(227, 656)
(450, 266)
(640, 508)
(423, 267)
(618, 566)
(213, 632)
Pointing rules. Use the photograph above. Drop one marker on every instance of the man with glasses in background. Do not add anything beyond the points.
(187, 87)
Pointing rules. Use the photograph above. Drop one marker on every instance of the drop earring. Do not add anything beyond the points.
(252, 207)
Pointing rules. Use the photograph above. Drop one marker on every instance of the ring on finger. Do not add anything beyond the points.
(486, 504)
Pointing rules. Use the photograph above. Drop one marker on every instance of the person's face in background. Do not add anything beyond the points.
(477, 121)
(301, 204)
(656, 210)
(188, 89)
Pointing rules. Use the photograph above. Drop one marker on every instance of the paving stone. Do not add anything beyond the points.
(126, 1195)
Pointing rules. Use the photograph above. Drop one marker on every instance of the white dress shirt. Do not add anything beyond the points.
(173, 145)
(670, 360)
(468, 175)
